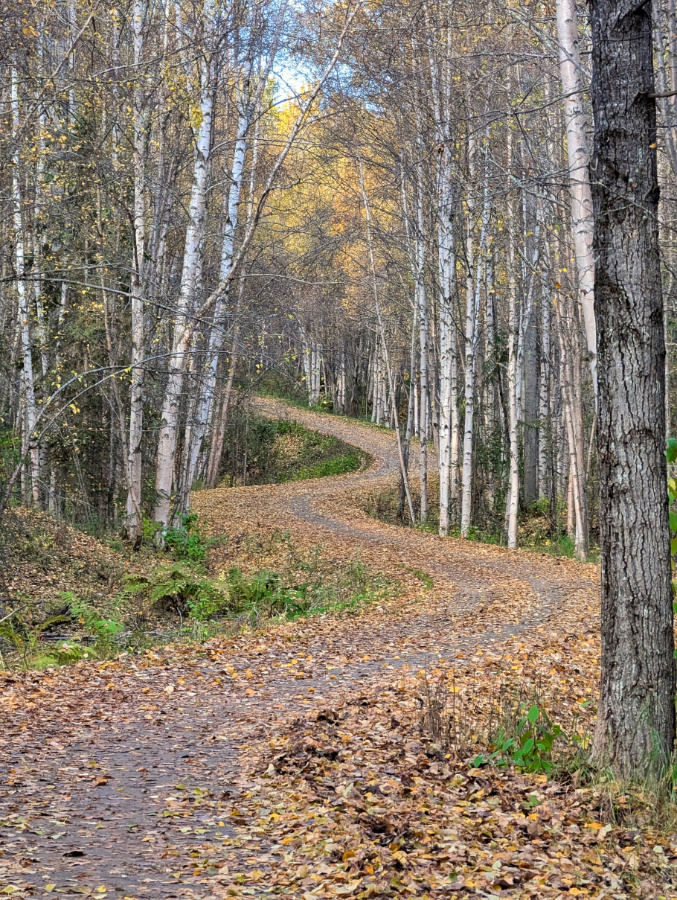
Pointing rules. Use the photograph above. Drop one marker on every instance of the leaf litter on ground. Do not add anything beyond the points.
(297, 761)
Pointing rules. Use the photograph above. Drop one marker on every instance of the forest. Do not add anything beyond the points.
(338, 485)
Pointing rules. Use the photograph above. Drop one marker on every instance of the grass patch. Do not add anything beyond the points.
(270, 451)
(517, 731)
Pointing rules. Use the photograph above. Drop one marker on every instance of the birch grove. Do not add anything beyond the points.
(380, 212)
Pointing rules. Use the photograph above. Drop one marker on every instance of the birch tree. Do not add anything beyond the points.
(472, 316)
(579, 170)
(439, 59)
(134, 459)
(191, 261)
(28, 388)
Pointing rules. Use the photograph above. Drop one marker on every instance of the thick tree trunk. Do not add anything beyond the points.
(636, 718)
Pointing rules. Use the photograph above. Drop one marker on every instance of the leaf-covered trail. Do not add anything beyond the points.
(124, 779)
(486, 592)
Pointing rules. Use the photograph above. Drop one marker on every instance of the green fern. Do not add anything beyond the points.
(87, 615)
(177, 587)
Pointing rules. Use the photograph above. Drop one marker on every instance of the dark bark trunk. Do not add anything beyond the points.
(636, 719)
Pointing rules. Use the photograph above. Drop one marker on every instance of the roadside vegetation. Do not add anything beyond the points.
(258, 450)
(66, 595)
(541, 527)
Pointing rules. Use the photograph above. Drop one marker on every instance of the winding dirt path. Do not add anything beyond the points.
(513, 590)
(114, 778)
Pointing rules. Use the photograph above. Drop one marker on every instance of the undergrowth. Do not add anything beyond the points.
(535, 531)
(519, 733)
(176, 598)
(270, 451)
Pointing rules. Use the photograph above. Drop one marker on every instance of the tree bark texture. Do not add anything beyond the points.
(636, 718)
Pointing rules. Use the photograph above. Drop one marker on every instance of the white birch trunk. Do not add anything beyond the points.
(441, 77)
(307, 367)
(473, 300)
(579, 171)
(512, 499)
(448, 388)
(544, 398)
(317, 363)
(182, 330)
(414, 388)
(134, 457)
(216, 337)
(422, 304)
(30, 412)
(39, 174)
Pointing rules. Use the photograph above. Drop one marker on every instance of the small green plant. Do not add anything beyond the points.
(149, 529)
(176, 588)
(187, 540)
(424, 578)
(104, 628)
(529, 746)
(264, 595)
(64, 654)
(20, 639)
(17, 637)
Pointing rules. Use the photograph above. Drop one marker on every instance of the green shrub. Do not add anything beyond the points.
(187, 541)
(20, 637)
(62, 655)
(527, 744)
(149, 529)
(105, 628)
(264, 595)
(176, 588)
